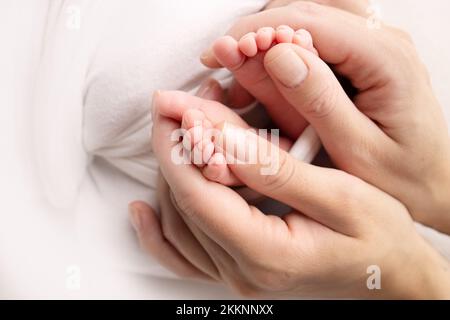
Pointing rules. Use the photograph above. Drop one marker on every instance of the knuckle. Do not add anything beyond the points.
(274, 281)
(400, 44)
(349, 192)
(185, 204)
(283, 174)
(402, 34)
(412, 68)
(348, 199)
(244, 289)
(307, 7)
(271, 275)
(266, 283)
(366, 153)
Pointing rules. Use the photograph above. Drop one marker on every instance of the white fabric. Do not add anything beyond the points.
(306, 146)
(95, 81)
(99, 120)
(87, 92)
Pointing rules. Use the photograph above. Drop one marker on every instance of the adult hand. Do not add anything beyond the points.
(340, 226)
(165, 235)
(168, 237)
(393, 134)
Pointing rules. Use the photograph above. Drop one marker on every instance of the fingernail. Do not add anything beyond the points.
(154, 98)
(206, 54)
(288, 68)
(207, 89)
(135, 218)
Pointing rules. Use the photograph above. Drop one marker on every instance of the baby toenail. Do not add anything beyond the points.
(283, 27)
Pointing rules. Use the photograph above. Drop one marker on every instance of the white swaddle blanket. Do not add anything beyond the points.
(101, 62)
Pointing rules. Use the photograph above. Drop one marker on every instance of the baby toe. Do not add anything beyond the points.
(197, 156)
(226, 50)
(284, 34)
(201, 153)
(195, 135)
(304, 39)
(213, 172)
(192, 118)
(207, 150)
(207, 124)
(218, 171)
(264, 38)
(248, 46)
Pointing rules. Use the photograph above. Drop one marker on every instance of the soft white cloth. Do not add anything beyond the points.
(100, 64)
(98, 73)
(91, 89)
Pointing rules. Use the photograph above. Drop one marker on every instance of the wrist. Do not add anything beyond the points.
(440, 214)
(432, 206)
(428, 276)
(435, 277)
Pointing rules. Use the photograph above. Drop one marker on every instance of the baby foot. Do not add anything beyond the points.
(199, 141)
(200, 118)
(245, 59)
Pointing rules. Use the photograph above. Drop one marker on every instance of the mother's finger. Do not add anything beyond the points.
(223, 262)
(218, 211)
(325, 195)
(359, 7)
(176, 231)
(211, 89)
(173, 104)
(310, 86)
(152, 241)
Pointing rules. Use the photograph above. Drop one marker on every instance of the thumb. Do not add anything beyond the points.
(320, 193)
(310, 86)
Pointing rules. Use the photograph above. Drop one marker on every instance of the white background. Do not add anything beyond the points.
(33, 256)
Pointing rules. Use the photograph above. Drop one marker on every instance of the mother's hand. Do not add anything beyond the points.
(393, 134)
(340, 227)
